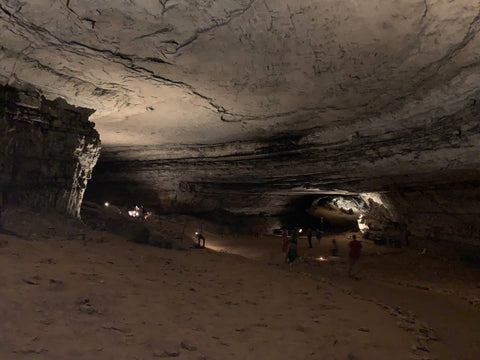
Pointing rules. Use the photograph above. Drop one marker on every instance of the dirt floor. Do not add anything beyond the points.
(69, 292)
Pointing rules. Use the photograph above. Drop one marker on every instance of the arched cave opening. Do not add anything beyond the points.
(332, 213)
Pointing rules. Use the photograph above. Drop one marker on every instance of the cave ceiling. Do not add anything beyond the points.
(334, 94)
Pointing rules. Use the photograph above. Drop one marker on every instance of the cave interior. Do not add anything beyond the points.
(244, 112)
(238, 119)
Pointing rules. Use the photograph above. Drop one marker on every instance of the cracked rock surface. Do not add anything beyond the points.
(197, 98)
(47, 151)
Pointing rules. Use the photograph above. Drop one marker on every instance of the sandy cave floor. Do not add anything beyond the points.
(69, 292)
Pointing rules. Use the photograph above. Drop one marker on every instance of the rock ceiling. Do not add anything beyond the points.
(334, 94)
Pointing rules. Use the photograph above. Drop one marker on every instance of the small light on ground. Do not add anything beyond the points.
(107, 204)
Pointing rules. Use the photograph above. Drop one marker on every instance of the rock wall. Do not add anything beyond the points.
(47, 151)
(431, 217)
(440, 214)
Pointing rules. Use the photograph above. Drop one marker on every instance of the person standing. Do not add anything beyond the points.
(354, 254)
(333, 257)
(295, 234)
(200, 239)
(285, 240)
(334, 249)
(292, 252)
(259, 232)
(309, 237)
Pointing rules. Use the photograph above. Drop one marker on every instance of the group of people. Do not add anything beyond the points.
(355, 249)
(290, 244)
(290, 247)
(296, 232)
(318, 235)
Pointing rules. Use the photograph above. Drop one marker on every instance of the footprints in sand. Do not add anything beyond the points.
(183, 346)
(84, 306)
(186, 305)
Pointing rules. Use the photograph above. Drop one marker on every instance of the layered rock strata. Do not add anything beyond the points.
(245, 105)
(48, 151)
(428, 217)
(426, 170)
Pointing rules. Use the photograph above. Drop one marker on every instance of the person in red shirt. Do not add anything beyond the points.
(354, 254)
(259, 232)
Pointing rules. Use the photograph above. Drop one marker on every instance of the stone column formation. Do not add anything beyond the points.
(47, 151)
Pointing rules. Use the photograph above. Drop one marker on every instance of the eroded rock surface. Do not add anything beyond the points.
(48, 151)
(242, 104)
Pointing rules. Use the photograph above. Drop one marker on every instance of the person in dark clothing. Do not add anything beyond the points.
(334, 249)
(284, 240)
(200, 238)
(318, 235)
(295, 235)
(309, 237)
(292, 252)
(292, 248)
(354, 254)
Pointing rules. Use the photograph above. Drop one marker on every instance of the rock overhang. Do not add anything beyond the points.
(262, 96)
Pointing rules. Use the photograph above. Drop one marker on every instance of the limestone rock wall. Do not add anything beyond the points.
(240, 104)
(432, 217)
(449, 213)
(47, 151)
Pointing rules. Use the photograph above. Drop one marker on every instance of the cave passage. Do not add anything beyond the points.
(127, 127)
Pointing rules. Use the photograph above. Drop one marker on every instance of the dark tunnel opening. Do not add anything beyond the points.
(329, 213)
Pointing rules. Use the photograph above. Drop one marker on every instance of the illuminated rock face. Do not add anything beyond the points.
(447, 212)
(242, 105)
(48, 151)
